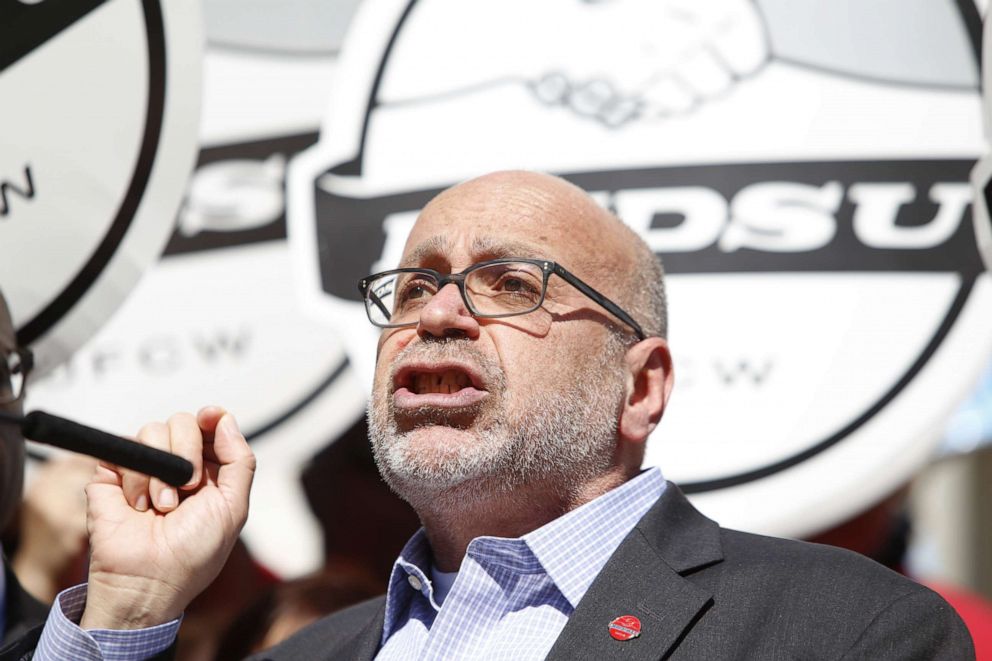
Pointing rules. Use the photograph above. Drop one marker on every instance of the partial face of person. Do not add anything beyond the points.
(491, 404)
(11, 441)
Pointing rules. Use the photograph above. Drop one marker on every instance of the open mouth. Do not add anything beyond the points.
(447, 382)
(447, 385)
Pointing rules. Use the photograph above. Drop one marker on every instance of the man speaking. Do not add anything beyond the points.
(521, 367)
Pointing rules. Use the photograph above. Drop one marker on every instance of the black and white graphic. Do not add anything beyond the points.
(230, 328)
(233, 333)
(801, 167)
(97, 136)
(981, 176)
(269, 65)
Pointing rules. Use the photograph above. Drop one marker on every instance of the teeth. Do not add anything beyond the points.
(444, 383)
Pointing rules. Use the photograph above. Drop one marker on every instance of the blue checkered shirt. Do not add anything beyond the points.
(512, 597)
(62, 638)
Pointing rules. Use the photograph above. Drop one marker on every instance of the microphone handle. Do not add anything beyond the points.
(53, 430)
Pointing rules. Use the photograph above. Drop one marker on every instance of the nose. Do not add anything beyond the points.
(446, 315)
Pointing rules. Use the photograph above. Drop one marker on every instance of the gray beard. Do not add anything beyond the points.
(562, 437)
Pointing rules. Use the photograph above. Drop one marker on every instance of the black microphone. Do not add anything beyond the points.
(68, 435)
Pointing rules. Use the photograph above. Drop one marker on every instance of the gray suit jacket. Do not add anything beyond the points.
(704, 592)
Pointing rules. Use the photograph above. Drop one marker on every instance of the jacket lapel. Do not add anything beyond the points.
(364, 645)
(645, 578)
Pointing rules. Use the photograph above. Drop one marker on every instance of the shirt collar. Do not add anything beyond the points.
(572, 549)
(414, 556)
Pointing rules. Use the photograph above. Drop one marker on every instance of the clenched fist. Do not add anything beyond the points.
(154, 547)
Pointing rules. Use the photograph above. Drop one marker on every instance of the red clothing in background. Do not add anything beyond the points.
(976, 612)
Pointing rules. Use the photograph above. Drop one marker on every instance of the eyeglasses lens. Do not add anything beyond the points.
(501, 289)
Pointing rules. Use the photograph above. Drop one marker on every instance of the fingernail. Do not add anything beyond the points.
(141, 504)
(167, 498)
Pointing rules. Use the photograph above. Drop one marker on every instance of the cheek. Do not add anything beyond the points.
(539, 365)
(402, 338)
(391, 343)
(527, 361)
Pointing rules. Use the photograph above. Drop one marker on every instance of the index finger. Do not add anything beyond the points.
(186, 440)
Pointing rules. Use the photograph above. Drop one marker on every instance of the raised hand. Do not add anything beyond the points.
(153, 547)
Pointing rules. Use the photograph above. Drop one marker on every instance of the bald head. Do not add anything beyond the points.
(556, 216)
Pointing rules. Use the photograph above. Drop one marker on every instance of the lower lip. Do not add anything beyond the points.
(404, 398)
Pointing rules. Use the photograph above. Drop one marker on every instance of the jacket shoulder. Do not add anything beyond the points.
(779, 598)
(813, 568)
(855, 603)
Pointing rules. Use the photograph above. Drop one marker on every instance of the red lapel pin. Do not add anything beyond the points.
(625, 627)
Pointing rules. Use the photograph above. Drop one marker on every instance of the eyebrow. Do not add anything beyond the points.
(432, 248)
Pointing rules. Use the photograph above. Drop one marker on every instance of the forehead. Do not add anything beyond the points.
(443, 248)
(488, 222)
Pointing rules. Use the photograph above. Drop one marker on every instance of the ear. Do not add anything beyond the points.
(649, 384)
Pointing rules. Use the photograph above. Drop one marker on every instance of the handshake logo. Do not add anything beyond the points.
(680, 54)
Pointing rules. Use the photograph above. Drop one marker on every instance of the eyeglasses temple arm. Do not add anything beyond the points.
(379, 304)
(607, 304)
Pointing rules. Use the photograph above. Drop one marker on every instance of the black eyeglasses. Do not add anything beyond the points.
(15, 364)
(491, 289)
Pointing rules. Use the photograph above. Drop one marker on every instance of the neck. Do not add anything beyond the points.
(455, 518)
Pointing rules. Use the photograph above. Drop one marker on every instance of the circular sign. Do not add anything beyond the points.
(97, 136)
(228, 328)
(806, 188)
